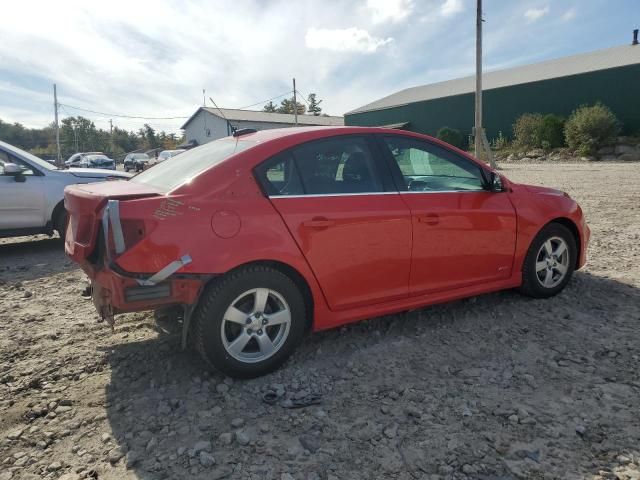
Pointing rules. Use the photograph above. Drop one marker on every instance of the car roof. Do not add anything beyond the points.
(318, 132)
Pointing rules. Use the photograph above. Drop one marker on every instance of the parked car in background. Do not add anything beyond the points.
(76, 159)
(300, 228)
(98, 161)
(164, 155)
(135, 161)
(32, 192)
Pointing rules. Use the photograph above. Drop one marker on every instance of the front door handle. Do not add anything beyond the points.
(318, 222)
(429, 218)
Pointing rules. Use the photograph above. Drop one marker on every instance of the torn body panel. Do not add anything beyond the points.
(101, 231)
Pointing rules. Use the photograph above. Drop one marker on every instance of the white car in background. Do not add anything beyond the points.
(32, 192)
(164, 155)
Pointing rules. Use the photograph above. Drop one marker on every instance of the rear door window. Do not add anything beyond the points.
(279, 176)
(334, 166)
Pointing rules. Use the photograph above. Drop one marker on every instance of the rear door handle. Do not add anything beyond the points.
(429, 218)
(318, 222)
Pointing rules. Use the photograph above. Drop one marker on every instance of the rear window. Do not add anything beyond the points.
(179, 169)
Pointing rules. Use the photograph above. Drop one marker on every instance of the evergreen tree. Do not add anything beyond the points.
(270, 107)
(314, 104)
(286, 106)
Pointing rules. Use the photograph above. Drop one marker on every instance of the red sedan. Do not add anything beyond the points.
(264, 235)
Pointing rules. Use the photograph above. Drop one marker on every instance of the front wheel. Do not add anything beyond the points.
(249, 323)
(550, 262)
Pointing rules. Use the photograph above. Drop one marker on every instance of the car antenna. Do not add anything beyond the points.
(221, 112)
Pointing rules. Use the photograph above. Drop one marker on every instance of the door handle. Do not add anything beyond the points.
(429, 218)
(318, 222)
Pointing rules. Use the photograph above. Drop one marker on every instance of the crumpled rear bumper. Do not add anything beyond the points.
(115, 291)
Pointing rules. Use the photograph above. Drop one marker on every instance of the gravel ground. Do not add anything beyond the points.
(494, 387)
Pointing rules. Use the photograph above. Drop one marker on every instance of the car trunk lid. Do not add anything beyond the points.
(85, 204)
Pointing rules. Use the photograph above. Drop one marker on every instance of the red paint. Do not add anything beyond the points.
(225, 224)
(360, 255)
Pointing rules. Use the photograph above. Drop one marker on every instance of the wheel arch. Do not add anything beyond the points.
(290, 272)
(54, 214)
(573, 228)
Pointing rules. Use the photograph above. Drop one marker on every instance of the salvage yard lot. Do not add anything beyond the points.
(498, 386)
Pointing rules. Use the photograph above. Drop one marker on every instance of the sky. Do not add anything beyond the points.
(154, 58)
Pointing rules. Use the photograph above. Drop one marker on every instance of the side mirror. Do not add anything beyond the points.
(495, 183)
(13, 170)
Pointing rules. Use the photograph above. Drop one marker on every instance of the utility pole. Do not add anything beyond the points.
(479, 135)
(55, 108)
(111, 135)
(295, 103)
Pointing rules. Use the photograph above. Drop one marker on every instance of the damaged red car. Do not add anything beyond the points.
(262, 236)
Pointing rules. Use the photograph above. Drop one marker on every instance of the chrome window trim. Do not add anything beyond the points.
(445, 191)
(313, 195)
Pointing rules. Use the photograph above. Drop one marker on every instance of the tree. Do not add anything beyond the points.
(452, 136)
(314, 104)
(270, 107)
(149, 135)
(591, 127)
(79, 134)
(286, 106)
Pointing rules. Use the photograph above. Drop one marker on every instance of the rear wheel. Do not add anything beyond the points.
(249, 323)
(550, 262)
(60, 222)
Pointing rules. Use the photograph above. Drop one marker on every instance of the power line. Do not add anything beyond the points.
(121, 115)
(265, 101)
(303, 97)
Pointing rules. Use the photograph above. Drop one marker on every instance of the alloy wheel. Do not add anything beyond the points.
(256, 325)
(552, 262)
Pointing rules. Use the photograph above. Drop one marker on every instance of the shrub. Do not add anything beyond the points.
(500, 142)
(451, 136)
(534, 130)
(527, 130)
(552, 131)
(591, 127)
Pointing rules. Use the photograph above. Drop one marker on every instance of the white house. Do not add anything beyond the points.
(208, 124)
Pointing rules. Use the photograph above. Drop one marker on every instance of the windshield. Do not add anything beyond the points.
(140, 155)
(177, 170)
(96, 157)
(27, 156)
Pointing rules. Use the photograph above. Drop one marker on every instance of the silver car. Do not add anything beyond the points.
(32, 192)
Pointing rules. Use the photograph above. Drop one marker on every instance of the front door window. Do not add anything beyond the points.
(429, 167)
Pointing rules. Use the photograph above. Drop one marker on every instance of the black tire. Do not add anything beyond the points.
(532, 285)
(126, 169)
(208, 319)
(60, 223)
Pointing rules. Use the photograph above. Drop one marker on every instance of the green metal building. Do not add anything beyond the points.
(610, 76)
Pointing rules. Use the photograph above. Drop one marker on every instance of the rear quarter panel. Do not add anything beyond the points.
(221, 230)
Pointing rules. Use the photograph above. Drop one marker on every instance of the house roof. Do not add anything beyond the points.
(560, 67)
(234, 114)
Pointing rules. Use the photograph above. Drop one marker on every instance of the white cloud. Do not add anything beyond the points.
(534, 14)
(389, 10)
(451, 7)
(569, 15)
(344, 40)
